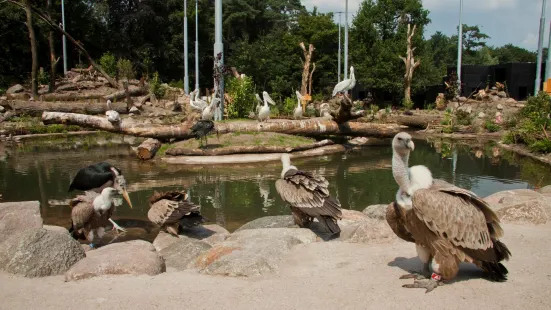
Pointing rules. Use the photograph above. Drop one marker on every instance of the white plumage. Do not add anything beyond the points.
(208, 112)
(112, 115)
(264, 113)
(259, 104)
(345, 85)
(196, 102)
(298, 110)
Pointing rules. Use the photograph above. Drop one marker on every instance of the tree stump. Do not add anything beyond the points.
(148, 149)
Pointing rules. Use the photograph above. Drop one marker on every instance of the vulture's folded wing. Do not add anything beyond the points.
(166, 211)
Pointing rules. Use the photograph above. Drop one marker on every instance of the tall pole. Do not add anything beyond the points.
(346, 41)
(540, 49)
(196, 46)
(64, 40)
(186, 66)
(219, 49)
(459, 47)
(548, 62)
(339, 72)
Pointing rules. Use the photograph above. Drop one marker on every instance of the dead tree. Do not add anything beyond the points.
(410, 63)
(51, 42)
(34, 73)
(306, 75)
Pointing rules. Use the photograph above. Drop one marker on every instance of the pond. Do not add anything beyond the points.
(233, 195)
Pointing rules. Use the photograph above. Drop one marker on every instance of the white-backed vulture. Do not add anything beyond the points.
(308, 196)
(448, 224)
(172, 210)
(90, 214)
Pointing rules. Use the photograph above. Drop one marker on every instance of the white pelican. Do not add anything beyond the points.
(199, 101)
(112, 115)
(264, 113)
(98, 176)
(259, 104)
(90, 213)
(172, 210)
(298, 110)
(308, 196)
(449, 225)
(345, 85)
(208, 112)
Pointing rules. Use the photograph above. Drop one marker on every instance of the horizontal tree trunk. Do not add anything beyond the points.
(418, 121)
(36, 108)
(315, 127)
(148, 149)
(132, 91)
(245, 149)
(71, 97)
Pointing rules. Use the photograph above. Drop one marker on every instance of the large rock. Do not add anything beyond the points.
(40, 253)
(546, 190)
(278, 221)
(16, 217)
(56, 228)
(211, 234)
(136, 257)
(183, 251)
(521, 205)
(377, 212)
(358, 227)
(17, 88)
(252, 252)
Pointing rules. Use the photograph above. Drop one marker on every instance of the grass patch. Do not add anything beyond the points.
(248, 139)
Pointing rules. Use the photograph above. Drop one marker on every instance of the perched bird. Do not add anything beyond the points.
(345, 85)
(308, 196)
(195, 102)
(112, 115)
(259, 104)
(172, 210)
(298, 110)
(199, 101)
(264, 112)
(98, 176)
(90, 214)
(201, 129)
(449, 225)
(208, 112)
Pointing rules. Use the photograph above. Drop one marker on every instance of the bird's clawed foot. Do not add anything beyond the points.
(413, 275)
(116, 227)
(427, 283)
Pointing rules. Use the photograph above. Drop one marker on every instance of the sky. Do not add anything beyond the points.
(505, 21)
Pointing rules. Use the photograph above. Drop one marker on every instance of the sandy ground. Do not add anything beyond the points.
(329, 275)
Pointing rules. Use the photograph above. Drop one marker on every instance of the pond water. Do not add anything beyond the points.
(233, 195)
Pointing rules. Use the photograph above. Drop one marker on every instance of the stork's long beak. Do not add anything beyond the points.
(126, 197)
(410, 145)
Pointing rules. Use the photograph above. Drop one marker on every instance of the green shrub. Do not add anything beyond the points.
(491, 126)
(155, 86)
(43, 77)
(533, 124)
(289, 105)
(463, 118)
(124, 69)
(177, 84)
(108, 63)
(407, 103)
(242, 91)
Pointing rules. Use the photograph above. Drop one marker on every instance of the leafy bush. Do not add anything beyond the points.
(241, 91)
(108, 63)
(491, 126)
(43, 77)
(463, 118)
(124, 69)
(155, 86)
(177, 84)
(289, 105)
(430, 106)
(407, 103)
(532, 128)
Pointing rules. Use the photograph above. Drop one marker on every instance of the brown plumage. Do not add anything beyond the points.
(309, 198)
(170, 210)
(86, 222)
(448, 224)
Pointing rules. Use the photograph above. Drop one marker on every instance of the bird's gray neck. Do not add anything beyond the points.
(400, 169)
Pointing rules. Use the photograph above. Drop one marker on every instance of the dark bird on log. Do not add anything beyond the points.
(98, 176)
(308, 196)
(201, 129)
(172, 210)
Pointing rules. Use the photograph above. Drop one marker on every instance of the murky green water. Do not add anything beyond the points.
(234, 195)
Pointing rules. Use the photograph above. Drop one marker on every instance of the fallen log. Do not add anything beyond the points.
(71, 97)
(148, 149)
(418, 121)
(256, 149)
(132, 91)
(313, 127)
(36, 108)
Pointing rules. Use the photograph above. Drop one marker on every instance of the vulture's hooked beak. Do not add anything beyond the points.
(410, 145)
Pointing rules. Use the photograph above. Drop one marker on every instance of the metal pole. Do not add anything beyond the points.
(540, 49)
(64, 40)
(339, 72)
(346, 41)
(196, 46)
(186, 67)
(548, 62)
(459, 47)
(219, 49)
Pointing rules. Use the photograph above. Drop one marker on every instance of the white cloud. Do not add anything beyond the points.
(469, 5)
(530, 41)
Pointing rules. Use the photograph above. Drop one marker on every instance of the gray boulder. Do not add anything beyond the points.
(181, 253)
(546, 190)
(56, 228)
(278, 221)
(211, 234)
(135, 257)
(358, 227)
(377, 212)
(17, 88)
(252, 252)
(40, 253)
(16, 217)
(521, 205)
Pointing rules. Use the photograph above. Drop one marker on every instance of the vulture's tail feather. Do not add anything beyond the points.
(331, 224)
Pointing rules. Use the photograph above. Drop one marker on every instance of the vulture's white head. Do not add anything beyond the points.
(402, 143)
(286, 161)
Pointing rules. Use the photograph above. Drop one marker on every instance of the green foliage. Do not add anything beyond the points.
(43, 77)
(242, 91)
(177, 84)
(491, 126)
(155, 86)
(533, 124)
(407, 103)
(429, 106)
(463, 118)
(448, 122)
(108, 63)
(289, 105)
(124, 69)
